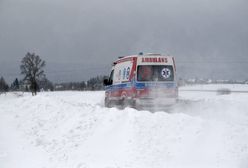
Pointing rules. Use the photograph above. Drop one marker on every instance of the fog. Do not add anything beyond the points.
(79, 39)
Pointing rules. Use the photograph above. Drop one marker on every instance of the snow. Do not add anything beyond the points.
(214, 87)
(74, 130)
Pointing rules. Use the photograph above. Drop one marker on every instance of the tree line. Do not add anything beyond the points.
(94, 83)
(35, 80)
(20, 85)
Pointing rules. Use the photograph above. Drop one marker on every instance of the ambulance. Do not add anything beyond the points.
(142, 81)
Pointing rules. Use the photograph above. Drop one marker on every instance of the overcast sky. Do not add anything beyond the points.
(79, 39)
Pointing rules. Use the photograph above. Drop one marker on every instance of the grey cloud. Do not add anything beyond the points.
(71, 35)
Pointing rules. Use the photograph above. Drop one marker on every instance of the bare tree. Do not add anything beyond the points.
(32, 67)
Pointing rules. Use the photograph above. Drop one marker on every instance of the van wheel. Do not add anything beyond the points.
(124, 102)
(133, 104)
(107, 102)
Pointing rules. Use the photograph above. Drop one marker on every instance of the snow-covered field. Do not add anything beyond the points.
(74, 130)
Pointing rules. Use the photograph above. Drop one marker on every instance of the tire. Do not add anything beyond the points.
(133, 104)
(123, 103)
(107, 102)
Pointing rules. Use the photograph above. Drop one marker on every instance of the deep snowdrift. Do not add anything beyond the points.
(74, 130)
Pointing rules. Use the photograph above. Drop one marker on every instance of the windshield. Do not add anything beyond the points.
(155, 73)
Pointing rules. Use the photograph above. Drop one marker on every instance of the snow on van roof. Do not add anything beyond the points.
(139, 55)
(146, 54)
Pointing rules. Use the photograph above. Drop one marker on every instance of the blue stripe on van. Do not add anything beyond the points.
(141, 85)
(166, 85)
(118, 86)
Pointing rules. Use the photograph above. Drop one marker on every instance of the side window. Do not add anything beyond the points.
(111, 77)
(125, 74)
(122, 72)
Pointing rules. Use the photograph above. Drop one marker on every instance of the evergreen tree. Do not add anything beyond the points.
(3, 85)
(15, 85)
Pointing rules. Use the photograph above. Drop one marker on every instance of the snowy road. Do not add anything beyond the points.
(74, 130)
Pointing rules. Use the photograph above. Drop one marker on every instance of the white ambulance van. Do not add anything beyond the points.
(142, 81)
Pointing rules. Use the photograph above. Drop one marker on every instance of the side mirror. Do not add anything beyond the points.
(106, 82)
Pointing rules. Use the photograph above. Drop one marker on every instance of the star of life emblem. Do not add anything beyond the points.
(166, 73)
